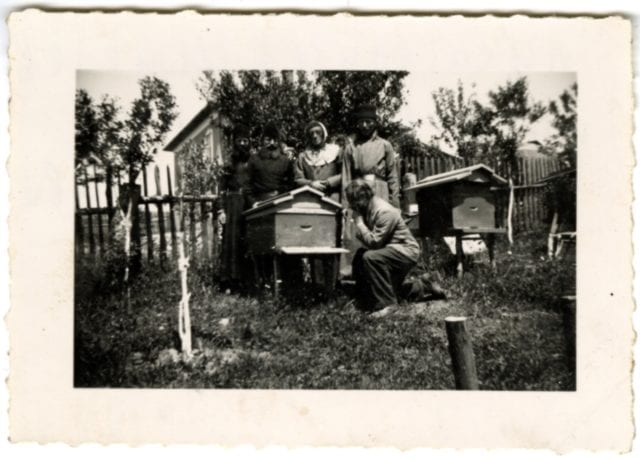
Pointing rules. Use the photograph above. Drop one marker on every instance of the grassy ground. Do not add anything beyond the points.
(246, 342)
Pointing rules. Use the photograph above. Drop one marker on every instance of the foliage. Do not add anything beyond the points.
(126, 145)
(200, 173)
(460, 124)
(98, 129)
(564, 111)
(150, 118)
(515, 327)
(493, 130)
(292, 99)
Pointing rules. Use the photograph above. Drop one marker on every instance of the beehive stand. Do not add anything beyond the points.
(460, 203)
(300, 223)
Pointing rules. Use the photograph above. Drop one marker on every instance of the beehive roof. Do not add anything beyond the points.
(456, 175)
(289, 196)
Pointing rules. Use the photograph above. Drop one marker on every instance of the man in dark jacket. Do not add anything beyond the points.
(270, 171)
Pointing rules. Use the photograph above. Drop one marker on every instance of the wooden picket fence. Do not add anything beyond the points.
(155, 220)
(529, 209)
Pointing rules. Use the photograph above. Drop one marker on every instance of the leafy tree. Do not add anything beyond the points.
(150, 118)
(510, 115)
(87, 127)
(462, 123)
(126, 146)
(564, 111)
(199, 172)
(492, 131)
(292, 99)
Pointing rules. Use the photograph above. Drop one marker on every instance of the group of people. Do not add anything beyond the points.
(360, 173)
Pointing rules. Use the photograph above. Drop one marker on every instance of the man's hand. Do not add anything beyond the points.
(319, 185)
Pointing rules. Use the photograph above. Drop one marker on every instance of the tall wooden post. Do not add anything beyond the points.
(461, 350)
(132, 192)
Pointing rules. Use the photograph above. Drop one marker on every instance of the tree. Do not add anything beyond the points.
(461, 122)
(87, 127)
(150, 118)
(492, 131)
(292, 99)
(510, 115)
(564, 111)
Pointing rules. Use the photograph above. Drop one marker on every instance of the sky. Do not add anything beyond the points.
(543, 87)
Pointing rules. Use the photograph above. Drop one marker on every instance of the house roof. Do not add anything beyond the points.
(458, 175)
(289, 196)
(202, 115)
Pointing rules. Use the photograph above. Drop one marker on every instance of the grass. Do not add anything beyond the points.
(246, 342)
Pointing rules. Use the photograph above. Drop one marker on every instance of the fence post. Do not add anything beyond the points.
(147, 215)
(79, 232)
(461, 350)
(132, 191)
(172, 221)
(161, 230)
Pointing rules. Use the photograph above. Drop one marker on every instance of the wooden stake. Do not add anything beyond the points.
(184, 314)
(569, 322)
(461, 350)
(172, 221)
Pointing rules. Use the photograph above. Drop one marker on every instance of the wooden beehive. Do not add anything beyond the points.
(458, 201)
(301, 218)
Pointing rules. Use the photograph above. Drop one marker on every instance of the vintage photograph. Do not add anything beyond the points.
(325, 229)
(312, 230)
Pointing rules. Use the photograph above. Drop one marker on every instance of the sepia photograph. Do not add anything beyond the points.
(294, 229)
(306, 230)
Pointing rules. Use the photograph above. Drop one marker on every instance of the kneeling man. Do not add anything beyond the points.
(390, 250)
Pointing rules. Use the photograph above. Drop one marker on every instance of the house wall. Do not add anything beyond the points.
(208, 132)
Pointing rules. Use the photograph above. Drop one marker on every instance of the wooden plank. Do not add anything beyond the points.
(215, 247)
(147, 216)
(527, 195)
(204, 216)
(79, 229)
(540, 193)
(172, 220)
(92, 247)
(163, 240)
(99, 216)
(192, 228)
(109, 193)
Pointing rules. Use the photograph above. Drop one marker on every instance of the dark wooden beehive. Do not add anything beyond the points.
(458, 201)
(302, 218)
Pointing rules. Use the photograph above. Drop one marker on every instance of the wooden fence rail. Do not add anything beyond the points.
(157, 223)
(156, 218)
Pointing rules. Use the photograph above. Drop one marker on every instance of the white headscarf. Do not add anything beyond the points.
(326, 154)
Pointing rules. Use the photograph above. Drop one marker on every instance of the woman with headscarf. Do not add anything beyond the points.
(234, 186)
(320, 164)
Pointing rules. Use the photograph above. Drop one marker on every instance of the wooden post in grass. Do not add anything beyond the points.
(461, 350)
(569, 322)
